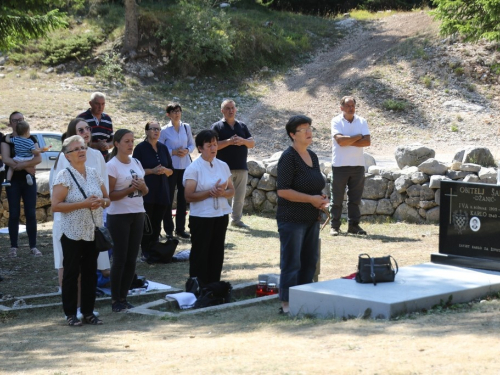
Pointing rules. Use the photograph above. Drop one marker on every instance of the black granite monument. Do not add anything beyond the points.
(469, 225)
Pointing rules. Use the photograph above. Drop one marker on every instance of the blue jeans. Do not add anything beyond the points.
(20, 189)
(299, 254)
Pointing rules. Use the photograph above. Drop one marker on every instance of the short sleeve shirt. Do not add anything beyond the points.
(295, 174)
(132, 203)
(234, 156)
(23, 146)
(346, 156)
(101, 129)
(78, 224)
(206, 177)
(18, 175)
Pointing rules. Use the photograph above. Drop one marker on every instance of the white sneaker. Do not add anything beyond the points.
(29, 179)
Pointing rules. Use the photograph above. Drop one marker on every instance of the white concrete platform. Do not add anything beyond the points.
(415, 288)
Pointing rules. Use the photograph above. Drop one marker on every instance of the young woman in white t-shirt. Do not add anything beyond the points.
(126, 213)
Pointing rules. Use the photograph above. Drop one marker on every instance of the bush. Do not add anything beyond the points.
(395, 105)
(111, 68)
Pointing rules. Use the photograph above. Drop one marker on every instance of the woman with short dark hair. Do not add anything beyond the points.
(208, 185)
(300, 199)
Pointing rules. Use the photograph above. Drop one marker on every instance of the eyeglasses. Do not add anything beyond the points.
(85, 129)
(176, 111)
(155, 129)
(305, 130)
(82, 148)
(17, 120)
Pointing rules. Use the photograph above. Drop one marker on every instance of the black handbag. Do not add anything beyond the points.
(103, 239)
(376, 270)
(162, 251)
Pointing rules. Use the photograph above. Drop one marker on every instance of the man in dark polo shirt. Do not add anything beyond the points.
(101, 124)
(233, 145)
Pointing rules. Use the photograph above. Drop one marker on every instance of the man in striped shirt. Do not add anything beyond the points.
(100, 122)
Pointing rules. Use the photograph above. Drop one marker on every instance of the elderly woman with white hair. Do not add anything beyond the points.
(80, 195)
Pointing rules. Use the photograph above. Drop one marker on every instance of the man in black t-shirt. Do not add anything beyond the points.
(100, 122)
(233, 145)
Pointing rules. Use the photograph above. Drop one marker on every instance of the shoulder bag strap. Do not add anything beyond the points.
(396, 263)
(187, 135)
(372, 271)
(81, 191)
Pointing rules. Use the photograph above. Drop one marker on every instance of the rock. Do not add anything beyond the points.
(459, 106)
(42, 201)
(369, 161)
(258, 197)
(267, 182)
(368, 207)
(49, 70)
(479, 155)
(407, 214)
(254, 182)
(433, 167)
(471, 178)
(435, 182)
(272, 197)
(374, 170)
(150, 74)
(402, 183)
(456, 165)
(384, 207)
(390, 188)
(2, 75)
(272, 168)
(326, 168)
(412, 155)
(42, 183)
(275, 156)
(408, 171)
(397, 198)
(419, 178)
(41, 215)
(375, 187)
(437, 196)
(470, 167)
(427, 204)
(488, 175)
(432, 215)
(426, 193)
(414, 191)
(248, 205)
(268, 207)
(413, 201)
(421, 212)
(456, 175)
(248, 190)
(256, 168)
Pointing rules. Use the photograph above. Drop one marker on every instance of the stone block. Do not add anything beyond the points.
(267, 182)
(256, 168)
(375, 187)
(408, 214)
(412, 155)
(384, 207)
(368, 207)
(433, 167)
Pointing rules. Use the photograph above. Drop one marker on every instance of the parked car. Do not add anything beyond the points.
(52, 140)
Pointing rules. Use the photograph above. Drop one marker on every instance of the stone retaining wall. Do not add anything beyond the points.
(410, 194)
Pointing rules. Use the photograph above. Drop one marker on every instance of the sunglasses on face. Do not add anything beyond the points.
(85, 129)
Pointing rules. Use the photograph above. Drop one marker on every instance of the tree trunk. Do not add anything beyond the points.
(131, 39)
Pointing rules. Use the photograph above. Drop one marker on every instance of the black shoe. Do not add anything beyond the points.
(183, 234)
(170, 236)
(356, 229)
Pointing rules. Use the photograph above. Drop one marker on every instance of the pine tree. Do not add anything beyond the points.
(21, 20)
(474, 19)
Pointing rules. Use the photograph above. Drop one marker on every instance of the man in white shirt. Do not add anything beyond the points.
(350, 134)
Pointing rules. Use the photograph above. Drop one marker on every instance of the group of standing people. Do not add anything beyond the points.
(141, 181)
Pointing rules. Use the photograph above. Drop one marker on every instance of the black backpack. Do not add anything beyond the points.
(162, 251)
(213, 294)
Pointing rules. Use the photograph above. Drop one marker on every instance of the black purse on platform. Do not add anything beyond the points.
(376, 270)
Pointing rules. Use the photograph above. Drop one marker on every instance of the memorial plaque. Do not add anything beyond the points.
(469, 225)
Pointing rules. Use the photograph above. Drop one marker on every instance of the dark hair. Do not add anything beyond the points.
(12, 114)
(70, 131)
(346, 99)
(117, 137)
(22, 128)
(173, 106)
(205, 136)
(294, 122)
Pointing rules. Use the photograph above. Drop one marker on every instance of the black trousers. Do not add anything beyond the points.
(175, 181)
(208, 235)
(80, 257)
(155, 213)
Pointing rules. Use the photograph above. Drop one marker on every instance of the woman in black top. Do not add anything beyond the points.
(157, 164)
(300, 200)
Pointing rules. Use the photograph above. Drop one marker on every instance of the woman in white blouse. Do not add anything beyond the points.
(79, 217)
(208, 185)
(177, 136)
(77, 126)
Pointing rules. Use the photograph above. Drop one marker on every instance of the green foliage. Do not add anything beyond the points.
(395, 105)
(474, 19)
(111, 68)
(454, 128)
(22, 20)
(427, 81)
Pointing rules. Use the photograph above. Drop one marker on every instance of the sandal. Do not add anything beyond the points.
(13, 252)
(127, 304)
(73, 321)
(35, 252)
(92, 319)
(118, 307)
